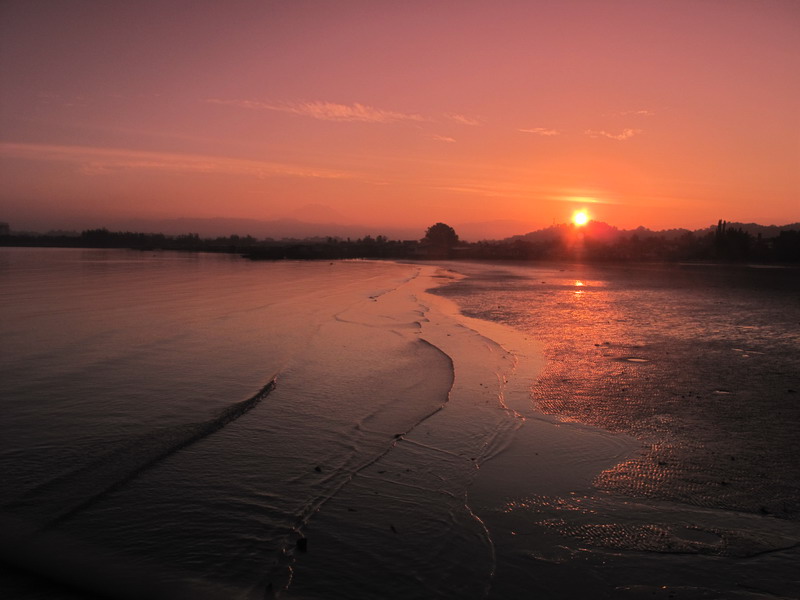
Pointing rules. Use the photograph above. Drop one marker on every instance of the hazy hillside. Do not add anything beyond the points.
(604, 232)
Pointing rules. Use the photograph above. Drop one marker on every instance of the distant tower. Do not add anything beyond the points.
(4, 228)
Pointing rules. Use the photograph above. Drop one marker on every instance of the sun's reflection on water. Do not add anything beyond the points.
(648, 352)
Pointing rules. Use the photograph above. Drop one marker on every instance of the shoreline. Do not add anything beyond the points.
(560, 530)
(544, 457)
(515, 382)
(427, 506)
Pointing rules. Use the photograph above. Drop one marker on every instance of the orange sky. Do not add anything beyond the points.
(655, 113)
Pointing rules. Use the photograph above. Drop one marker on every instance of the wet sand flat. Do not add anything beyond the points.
(700, 368)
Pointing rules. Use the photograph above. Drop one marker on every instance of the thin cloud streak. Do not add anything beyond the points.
(579, 198)
(541, 131)
(101, 161)
(624, 135)
(493, 187)
(496, 189)
(638, 113)
(443, 138)
(464, 120)
(328, 111)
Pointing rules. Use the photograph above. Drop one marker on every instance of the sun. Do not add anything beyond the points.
(580, 218)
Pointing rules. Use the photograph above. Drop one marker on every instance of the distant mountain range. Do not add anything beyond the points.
(601, 231)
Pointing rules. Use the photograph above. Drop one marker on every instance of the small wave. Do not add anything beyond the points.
(64, 496)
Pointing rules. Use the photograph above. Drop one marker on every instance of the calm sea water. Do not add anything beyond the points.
(123, 376)
(144, 449)
(188, 426)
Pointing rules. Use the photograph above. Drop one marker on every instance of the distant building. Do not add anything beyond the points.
(5, 229)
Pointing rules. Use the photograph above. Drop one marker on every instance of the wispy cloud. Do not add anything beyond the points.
(443, 138)
(637, 113)
(592, 197)
(504, 188)
(492, 187)
(541, 131)
(624, 135)
(463, 119)
(328, 111)
(103, 161)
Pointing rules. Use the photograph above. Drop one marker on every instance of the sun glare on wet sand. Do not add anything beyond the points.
(580, 218)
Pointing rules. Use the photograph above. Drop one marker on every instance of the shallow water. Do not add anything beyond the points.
(180, 425)
(699, 363)
(141, 428)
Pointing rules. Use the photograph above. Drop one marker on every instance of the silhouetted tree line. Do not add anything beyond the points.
(725, 243)
(334, 249)
(103, 238)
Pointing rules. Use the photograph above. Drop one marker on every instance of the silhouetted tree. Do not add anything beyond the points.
(439, 240)
(441, 235)
(731, 243)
